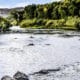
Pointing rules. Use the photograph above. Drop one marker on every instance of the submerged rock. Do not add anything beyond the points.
(47, 44)
(20, 76)
(6, 78)
(31, 37)
(67, 35)
(44, 72)
(31, 44)
(15, 38)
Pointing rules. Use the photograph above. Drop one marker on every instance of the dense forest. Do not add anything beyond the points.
(64, 14)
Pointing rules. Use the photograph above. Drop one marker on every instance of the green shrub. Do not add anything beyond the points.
(27, 23)
(4, 24)
(14, 22)
(32, 22)
(61, 22)
(49, 23)
(55, 23)
(40, 22)
(77, 25)
(68, 23)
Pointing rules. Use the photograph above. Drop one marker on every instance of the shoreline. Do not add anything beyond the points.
(39, 31)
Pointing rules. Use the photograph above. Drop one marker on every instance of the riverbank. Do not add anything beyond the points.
(41, 25)
(70, 23)
(18, 29)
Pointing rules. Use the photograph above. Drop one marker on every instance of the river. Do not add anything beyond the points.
(29, 53)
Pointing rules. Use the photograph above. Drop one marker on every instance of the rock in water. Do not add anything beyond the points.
(20, 76)
(43, 72)
(31, 44)
(31, 37)
(6, 78)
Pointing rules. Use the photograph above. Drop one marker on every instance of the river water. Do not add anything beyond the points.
(29, 53)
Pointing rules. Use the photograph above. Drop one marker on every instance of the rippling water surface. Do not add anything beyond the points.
(29, 53)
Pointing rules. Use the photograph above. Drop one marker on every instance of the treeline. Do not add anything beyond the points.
(55, 10)
(52, 11)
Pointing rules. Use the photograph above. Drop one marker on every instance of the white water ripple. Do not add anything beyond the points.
(47, 52)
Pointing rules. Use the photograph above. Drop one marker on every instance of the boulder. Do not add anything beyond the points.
(6, 78)
(43, 72)
(31, 44)
(20, 76)
(31, 37)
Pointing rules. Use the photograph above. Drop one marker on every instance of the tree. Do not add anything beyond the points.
(40, 12)
(55, 14)
(62, 12)
(72, 10)
(14, 14)
(30, 11)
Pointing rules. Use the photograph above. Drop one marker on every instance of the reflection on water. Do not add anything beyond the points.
(47, 51)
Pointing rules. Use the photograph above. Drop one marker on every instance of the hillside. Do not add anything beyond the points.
(4, 12)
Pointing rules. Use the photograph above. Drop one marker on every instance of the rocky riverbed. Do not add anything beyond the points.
(64, 72)
(40, 56)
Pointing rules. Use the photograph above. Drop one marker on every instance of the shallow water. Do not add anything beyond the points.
(47, 52)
